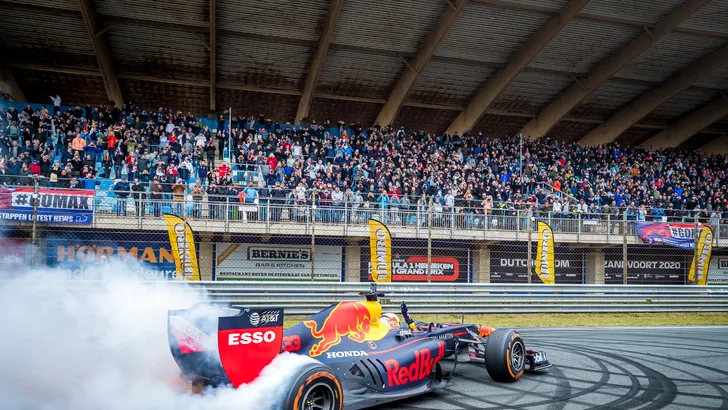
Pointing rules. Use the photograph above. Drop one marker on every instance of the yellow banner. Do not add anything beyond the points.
(545, 253)
(705, 249)
(380, 249)
(183, 248)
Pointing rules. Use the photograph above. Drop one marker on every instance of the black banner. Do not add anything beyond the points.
(410, 265)
(508, 264)
(647, 265)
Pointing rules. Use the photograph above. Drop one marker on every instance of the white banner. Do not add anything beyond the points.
(718, 272)
(246, 261)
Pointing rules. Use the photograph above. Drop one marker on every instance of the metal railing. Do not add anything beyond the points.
(286, 210)
(308, 298)
(290, 208)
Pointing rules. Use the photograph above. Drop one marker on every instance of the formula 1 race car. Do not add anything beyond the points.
(361, 361)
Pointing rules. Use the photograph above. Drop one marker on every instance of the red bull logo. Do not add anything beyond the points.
(347, 319)
(398, 375)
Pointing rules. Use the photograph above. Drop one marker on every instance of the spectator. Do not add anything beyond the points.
(140, 196)
(198, 193)
(90, 181)
(121, 190)
(671, 184)
(35, 168)
(119, 161)
(223, 170)
(337, 202)
(78, 144)
(56, 104)
(157, 195)
(179, 191)
(13, 131)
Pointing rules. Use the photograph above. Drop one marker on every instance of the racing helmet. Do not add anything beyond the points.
(389, 320)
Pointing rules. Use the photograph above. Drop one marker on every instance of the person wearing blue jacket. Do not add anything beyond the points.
(90, 182)
(121, 189)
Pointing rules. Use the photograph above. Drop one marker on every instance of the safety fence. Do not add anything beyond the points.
(272, 239)
(232, 210)
(239, 203)
(326, 252)
(307, 298)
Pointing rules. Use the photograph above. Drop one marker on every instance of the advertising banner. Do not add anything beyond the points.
(701, 262)
(151, 254)
(508, 264)
(545, 253)
(647, 265)
(380, 251)
(679, 235)
(182, 242)
(718, 270)
(62, 206)
(410, 265)
(261, 261)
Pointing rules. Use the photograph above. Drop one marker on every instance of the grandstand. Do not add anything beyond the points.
(466, 118)
(417, 64)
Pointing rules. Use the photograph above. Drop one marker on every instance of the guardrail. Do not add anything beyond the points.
(308, 298)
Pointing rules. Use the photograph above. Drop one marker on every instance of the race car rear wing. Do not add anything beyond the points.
(222, 344)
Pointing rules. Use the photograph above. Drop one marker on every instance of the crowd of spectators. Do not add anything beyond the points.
(165, 154)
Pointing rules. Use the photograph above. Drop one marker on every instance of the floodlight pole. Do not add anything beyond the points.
(520, 161)
(34, 237)
(230, 136)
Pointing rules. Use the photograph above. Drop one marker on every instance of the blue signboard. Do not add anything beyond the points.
(61, 206)
(148, 256)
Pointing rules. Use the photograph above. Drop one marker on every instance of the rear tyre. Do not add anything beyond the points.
(505, 355)
(314, 388)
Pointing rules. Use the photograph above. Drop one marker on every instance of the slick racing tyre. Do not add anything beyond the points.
(314, 388)
(505, 355)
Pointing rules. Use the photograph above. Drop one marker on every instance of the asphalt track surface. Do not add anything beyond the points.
(601, 368)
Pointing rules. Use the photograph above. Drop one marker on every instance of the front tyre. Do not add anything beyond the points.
(314, 388)
(505, 355)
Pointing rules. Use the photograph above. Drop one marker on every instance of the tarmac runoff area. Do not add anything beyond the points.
(604, 368)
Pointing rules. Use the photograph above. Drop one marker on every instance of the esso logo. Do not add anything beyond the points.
(247, 338)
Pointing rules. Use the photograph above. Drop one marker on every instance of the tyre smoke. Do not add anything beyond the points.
(102, 345)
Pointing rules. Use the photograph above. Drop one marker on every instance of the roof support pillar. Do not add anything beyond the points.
(319, 59)
(647, 102)
(689, 125)
(485, 96)
(213, 56)
(554, 112)
(103, 55)
(9, 86)
(414, 68)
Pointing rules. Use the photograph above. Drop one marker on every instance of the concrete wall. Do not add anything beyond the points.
(481, 264)
(352, 261)
(595, 267)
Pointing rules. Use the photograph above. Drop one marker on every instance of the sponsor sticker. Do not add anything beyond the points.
(398, 375)
(268, 316)
(341, 355)
(246, 338)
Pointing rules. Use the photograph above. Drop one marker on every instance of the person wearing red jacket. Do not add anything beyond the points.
(34, 167)
(224, 169)
(111, 142)
(272, 161)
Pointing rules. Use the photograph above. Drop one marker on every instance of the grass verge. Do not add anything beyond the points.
(573, 319)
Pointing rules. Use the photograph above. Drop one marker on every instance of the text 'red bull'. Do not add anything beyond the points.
(347, 319)
(422, 367)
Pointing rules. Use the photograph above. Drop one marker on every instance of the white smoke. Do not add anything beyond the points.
(102, 345)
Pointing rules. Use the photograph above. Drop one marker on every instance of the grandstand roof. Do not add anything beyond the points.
(354, 53)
